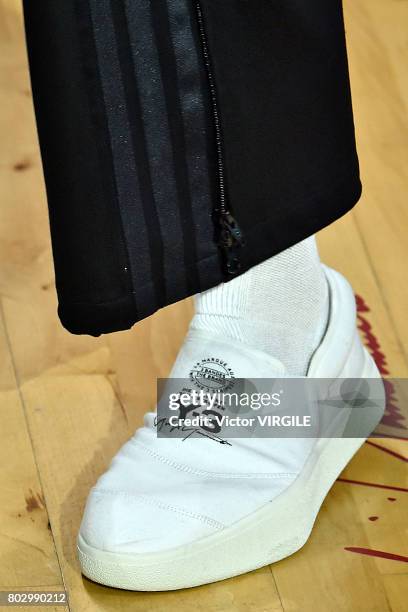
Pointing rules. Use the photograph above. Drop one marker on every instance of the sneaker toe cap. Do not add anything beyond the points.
(122, 522)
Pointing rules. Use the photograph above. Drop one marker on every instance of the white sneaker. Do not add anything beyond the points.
(171, 514)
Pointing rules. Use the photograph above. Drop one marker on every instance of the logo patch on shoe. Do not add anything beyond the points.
(212, 374)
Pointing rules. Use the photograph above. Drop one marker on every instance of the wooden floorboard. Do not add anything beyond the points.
(28, 556)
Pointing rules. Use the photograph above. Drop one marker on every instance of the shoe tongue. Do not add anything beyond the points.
(212, 363)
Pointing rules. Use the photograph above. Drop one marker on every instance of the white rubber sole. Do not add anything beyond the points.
(273, 532)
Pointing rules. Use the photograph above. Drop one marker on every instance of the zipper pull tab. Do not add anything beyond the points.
(230, 241)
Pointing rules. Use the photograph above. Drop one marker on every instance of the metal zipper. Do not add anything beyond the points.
(229, 236)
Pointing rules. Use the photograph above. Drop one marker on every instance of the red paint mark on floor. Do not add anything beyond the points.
(376, 553)
(388, 450)
(392, 416)
(373, 518)
(370, 339)
(373, 484)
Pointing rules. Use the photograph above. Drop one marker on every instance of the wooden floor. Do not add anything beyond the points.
(67, 403)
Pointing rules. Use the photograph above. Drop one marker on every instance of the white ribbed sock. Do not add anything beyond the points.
(280, 306)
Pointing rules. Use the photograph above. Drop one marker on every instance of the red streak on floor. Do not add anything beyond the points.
(376, 553)
(388, 450)
(373, 484)
(370, 340)
(392, 416)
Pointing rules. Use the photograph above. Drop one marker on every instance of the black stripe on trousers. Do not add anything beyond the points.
(161, 26)
(90, 68)
(143, 56)
(199, 131)
(150, 72)
(138, 211)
